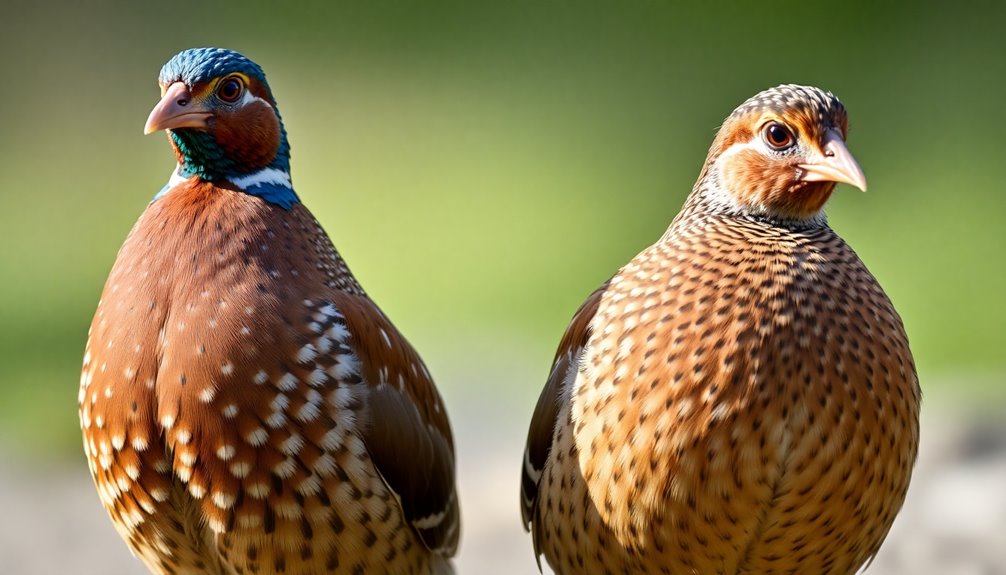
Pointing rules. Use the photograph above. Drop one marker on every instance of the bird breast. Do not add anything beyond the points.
(728, 375)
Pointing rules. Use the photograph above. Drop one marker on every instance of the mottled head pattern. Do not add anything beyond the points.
(232, 129)
(814, 105)
(758, 163)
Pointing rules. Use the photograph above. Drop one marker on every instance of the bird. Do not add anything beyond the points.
(245, 406)
(739, 398)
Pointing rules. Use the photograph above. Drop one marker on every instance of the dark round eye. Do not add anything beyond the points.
(229, 90)
(777, 136)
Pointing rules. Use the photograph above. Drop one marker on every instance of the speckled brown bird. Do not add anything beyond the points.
(740, 397)
(245, 407)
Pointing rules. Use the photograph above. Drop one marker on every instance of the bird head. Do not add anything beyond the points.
(223, 122)
(781, 153)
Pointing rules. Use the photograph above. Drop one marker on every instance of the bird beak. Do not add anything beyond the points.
(835, 164)
(176, 110)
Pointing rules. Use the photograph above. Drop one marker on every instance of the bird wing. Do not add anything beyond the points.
(407, 433)
(546, 412)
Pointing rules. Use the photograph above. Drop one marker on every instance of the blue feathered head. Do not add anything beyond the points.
(223, 121)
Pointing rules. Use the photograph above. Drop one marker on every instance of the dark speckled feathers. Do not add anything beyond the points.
(740, 397)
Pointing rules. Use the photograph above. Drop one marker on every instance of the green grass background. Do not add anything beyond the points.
(483, 166)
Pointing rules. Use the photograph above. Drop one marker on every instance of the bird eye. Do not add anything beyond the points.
(229, 90)
(777, 136)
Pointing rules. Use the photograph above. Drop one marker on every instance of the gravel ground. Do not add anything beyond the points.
(954, 521)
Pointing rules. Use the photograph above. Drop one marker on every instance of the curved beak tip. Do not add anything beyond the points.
(836, 164)
(176, 110)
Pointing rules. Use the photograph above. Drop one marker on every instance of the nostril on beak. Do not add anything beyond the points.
(182, 101)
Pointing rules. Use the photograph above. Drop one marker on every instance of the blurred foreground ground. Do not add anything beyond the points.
(954, 521)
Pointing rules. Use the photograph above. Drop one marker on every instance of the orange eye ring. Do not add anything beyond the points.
(230, 90)
(777, 136)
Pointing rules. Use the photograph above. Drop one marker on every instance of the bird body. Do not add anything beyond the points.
(246, 408)
(740, 397)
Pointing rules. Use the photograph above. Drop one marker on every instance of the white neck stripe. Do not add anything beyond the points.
(259, 178)
(176, 178)
(262, 177)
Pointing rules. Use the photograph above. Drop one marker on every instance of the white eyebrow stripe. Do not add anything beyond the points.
(249, 98)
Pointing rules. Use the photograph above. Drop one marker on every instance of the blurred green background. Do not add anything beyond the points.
(483, 167)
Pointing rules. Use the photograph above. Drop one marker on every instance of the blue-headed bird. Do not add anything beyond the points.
(245, 407)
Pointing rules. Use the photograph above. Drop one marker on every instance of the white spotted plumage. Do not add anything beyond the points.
(244, 406)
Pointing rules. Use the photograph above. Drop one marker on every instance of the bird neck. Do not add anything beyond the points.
(200, 155)
(709, 198)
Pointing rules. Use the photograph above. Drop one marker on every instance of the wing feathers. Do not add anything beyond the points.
(407, 435)
(546, 412)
